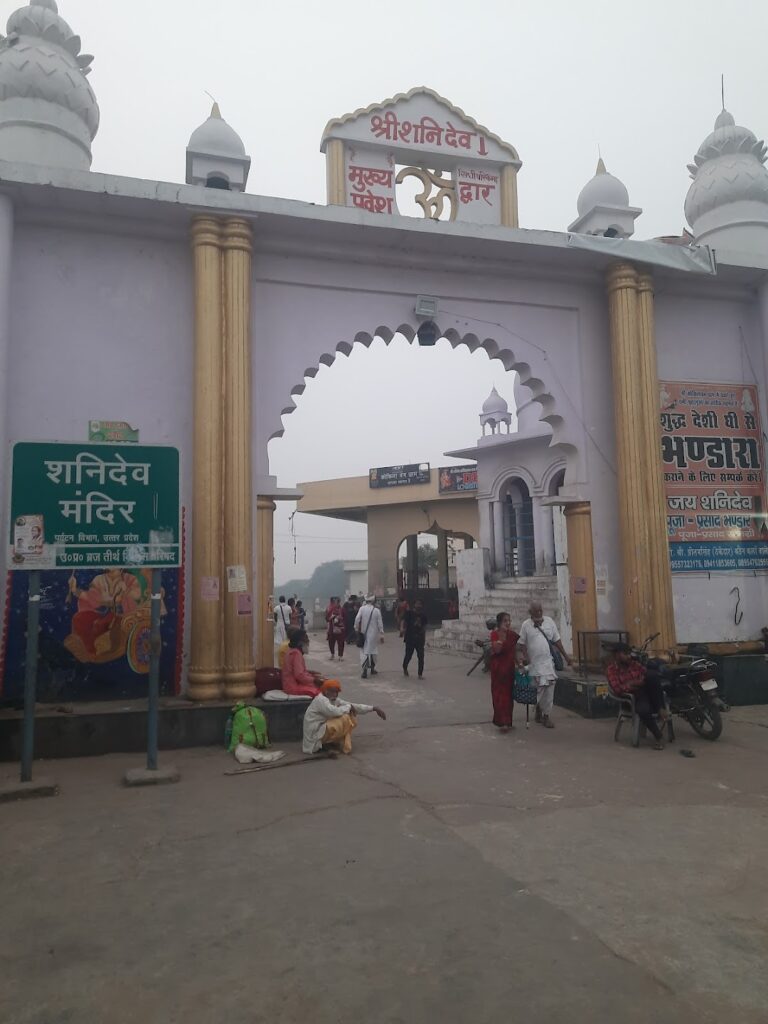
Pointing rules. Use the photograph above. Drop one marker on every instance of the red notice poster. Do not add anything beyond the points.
(713, 457)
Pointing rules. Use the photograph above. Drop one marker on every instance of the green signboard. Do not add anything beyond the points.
(112, 430)
(94, 506)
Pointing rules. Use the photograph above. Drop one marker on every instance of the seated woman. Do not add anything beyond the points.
(282, 650)
(297, 679)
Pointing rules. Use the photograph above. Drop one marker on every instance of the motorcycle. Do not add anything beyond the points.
(691, 690)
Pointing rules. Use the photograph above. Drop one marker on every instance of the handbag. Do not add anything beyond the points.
(557, 658)
(524, 692)
(361, 637)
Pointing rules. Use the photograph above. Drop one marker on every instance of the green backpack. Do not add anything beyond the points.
(249, 726)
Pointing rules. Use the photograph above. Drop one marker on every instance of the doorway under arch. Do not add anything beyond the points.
(518, 530)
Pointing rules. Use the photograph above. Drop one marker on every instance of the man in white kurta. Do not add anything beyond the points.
(370, 624)
(329, 720)
(533, 647)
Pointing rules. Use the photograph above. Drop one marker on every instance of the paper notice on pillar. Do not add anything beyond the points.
(29, 550)
(237, 580)
(579, 584)
(210, 587)
(244, 604)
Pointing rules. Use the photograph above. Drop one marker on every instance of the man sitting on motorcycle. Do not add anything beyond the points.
(627, 676)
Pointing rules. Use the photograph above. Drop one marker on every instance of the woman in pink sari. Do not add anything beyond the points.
(298, 681)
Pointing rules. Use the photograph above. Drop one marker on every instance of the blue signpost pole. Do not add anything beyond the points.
(153, 709)
(30, 677)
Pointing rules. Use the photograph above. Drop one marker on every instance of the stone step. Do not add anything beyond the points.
(521, 582)
(512, 595)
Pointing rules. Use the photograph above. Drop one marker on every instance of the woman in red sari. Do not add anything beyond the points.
(503, 643)
(298, 681)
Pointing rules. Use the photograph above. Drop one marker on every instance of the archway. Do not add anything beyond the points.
(519, 555)
(339, 430)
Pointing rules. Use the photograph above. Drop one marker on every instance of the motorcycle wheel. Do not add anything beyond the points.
(706, 721)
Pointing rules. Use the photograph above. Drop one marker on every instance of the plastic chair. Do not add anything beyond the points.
(628, 712)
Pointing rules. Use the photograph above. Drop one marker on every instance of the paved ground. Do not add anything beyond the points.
(443, 873)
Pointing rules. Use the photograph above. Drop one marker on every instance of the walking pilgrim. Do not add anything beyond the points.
(539, 638)
(370, 627)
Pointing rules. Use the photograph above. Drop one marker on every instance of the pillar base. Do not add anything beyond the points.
(204, 687)
(239, 685)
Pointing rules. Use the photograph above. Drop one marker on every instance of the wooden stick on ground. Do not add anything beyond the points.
(281, 764)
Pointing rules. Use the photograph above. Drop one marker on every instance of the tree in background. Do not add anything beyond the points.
(326, 581)
(427, 556)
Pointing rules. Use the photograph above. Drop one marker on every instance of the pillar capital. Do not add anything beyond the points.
(578, 508)
(238, 235)
(621, 276)
(645, 283)
(265, 504)
(206, 231)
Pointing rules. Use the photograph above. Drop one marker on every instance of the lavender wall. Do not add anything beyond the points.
(307, 312)
(101, 328)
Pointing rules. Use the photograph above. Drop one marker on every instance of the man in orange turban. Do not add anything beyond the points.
(329, 720)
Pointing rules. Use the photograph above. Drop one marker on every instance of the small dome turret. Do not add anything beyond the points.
(494, 403)
(603, 207)
(602, 190)
(495, 412)
(216, 155)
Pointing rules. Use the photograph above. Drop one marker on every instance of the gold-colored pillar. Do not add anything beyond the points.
(656, 505)
(206, 655)
(265, 582)
(239, 666)
(631, 442)
(581, 572)
(334, 170)
(509, 215)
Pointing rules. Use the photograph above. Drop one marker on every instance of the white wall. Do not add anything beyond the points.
(718, 340)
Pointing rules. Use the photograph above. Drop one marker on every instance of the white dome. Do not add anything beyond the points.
(495, 405)
(215, 137)
(48, 112)
(602, 190)
(728, 168)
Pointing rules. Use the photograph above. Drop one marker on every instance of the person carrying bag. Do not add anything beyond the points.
(369, 628)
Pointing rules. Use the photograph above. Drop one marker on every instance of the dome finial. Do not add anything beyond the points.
(601, 168)
(215, 110)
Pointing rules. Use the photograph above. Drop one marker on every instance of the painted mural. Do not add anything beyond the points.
(94, 634)
(712, 449)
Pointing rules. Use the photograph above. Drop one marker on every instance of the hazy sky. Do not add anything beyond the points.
(554, 78)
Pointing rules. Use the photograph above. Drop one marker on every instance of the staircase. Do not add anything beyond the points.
(511, 595)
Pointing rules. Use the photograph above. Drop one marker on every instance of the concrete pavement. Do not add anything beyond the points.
(442, 873)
